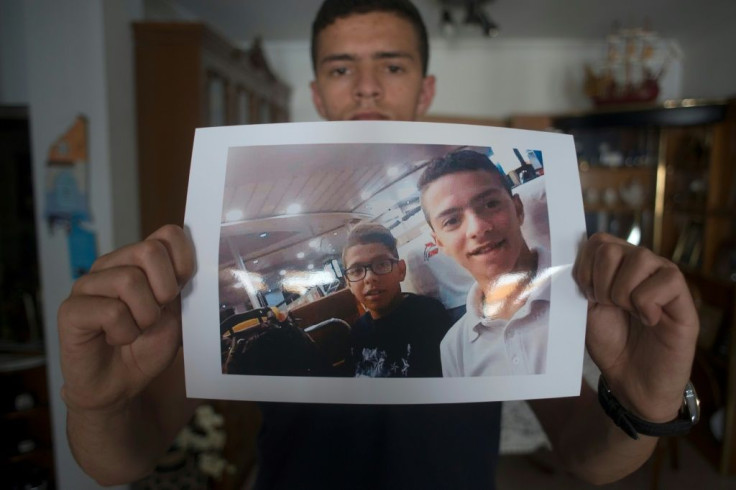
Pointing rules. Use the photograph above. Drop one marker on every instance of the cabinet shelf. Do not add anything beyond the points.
(25, 372)
(19, 362)
(688, 112)
(40, 453)
(703, 214)
(31, 413)
(598, 208)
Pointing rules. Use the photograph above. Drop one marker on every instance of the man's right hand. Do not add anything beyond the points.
(120, 336)
(121, 326)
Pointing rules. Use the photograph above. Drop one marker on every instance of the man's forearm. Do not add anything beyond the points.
(116, 447)
(587, 441)
(122, 444)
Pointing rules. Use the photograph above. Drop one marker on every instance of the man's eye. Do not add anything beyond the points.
(395, 69)
(355, 271)
(491, 204)
(339, 71)
(450, 222)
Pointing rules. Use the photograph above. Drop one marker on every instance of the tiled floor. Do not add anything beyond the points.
(694, 473)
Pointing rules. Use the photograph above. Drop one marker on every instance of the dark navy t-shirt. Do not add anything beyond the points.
(320, 446)
(404, 343)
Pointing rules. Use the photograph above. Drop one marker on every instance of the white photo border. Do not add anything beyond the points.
(200, 304)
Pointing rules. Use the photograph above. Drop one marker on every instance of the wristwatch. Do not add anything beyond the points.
(631, 424)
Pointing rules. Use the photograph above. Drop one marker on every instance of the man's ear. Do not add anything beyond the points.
(401, 265)
(426, 95)
(437, 240)
(519, 208)
(317, 99)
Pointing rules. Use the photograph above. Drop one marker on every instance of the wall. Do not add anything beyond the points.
(711, 69)
(497, 78)
(291, 62)
(708, 39)
(481, 78)
(13, 79)
(121, 127)
(79, 62)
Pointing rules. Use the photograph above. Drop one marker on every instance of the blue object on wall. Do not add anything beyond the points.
(82, 249)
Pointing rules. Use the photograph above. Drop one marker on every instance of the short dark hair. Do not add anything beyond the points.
(331, 10)
(367, 233)
(457, 161)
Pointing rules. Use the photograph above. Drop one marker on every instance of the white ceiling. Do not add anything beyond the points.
(334, 184)
(581, 19)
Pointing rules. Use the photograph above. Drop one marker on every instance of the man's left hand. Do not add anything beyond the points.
(642, 324)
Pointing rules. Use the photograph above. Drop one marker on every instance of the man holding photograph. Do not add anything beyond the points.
(120, 330)
(476, 220)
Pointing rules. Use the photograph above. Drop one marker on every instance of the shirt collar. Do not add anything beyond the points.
(540, 292)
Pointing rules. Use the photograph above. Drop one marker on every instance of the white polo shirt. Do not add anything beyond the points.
(478, 346)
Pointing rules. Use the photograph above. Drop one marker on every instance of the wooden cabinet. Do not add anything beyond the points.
(188, 76)
(25, 422)
(26, 456)
(670, 173)
(625, 159)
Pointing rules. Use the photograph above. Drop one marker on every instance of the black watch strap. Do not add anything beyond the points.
(633, 425)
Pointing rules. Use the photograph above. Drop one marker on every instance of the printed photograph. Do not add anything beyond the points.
(384, 261)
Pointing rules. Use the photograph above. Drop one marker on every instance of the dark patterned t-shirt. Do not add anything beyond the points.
(404, 343)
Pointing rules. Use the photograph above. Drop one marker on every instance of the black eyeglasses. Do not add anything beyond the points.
(378, 267)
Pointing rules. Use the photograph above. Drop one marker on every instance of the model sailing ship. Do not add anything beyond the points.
(635, 61)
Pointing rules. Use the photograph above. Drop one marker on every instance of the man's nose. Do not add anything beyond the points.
(475, 225)
(367, 85)
(370, 276)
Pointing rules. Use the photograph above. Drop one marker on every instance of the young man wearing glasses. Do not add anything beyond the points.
(400, 334)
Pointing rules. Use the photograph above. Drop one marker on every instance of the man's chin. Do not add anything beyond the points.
(374, 304)
(487, 272)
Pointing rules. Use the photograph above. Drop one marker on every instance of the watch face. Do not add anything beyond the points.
(691, 403)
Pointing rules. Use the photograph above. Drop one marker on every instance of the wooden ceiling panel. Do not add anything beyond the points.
(341, 181)
(293, 189)
(241, 196)
(340, 196)
(261, 192)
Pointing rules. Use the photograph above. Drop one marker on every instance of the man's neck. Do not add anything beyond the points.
(389, 309)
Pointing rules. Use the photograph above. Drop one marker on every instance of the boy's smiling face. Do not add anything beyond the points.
(378, 293)
(476, 222)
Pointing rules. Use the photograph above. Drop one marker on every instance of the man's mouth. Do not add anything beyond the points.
(373, 293)
(369, 116)
(487, 248)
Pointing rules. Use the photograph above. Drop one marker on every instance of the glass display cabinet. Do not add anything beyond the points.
(664, 177)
